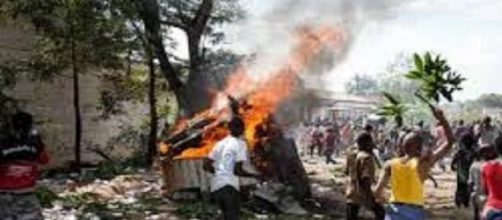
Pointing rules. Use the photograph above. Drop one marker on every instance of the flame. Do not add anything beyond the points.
(266, 95)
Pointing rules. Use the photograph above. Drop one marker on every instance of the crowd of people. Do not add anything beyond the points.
(407, 155)
(404, 157)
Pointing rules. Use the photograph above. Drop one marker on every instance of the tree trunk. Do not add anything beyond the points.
(76, 104)
(197, 86)
(194, 35)
(149, 13)
(152, 142)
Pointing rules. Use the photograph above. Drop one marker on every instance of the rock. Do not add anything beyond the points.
(278, 195)
(71, 185)
(259, 216)
(91, 216)
(312, 173)
(74, 175)
(111, 206)
(289, 205)
(118, 214)
(317, 216)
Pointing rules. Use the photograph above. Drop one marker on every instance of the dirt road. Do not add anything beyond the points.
(329, 185)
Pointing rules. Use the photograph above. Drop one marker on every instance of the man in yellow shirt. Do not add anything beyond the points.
(408, 173)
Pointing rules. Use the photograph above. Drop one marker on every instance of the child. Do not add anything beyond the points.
(225, 161)
(21, 154)
(361, 170)
(408, 173)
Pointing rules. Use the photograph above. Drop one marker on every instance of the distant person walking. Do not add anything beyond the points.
(329, 145)
(316, 141)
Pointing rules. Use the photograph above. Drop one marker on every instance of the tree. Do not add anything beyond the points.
(75, 36)
(362, 85)
(201, 22)
(491, 100)
(153, 29)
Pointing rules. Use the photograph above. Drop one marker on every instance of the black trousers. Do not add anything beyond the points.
(476, 210)
(462, 195)
(315, 146)
(353, 211)
(228, 198)
(329, 159)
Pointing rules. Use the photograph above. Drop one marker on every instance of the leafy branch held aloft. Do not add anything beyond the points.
(394, 108)
(436, 77)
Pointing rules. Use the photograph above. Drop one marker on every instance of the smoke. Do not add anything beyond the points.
(270, 35)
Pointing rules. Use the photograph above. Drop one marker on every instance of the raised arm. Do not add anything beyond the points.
(444, 147)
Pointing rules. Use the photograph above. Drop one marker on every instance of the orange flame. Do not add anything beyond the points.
(265, 96)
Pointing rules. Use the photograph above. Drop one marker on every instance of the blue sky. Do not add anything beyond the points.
(467, 32)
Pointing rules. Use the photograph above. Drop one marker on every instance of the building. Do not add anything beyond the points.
(335, 105)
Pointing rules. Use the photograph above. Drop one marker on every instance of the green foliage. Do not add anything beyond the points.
(110, 169)
(121, 88)
(101, 35)
(180, 14)
(436, 77)
(98, 34)
(391, 81)
(490, 100)
(393, 108)
(46, 196)
(89, 206)
(92, 30)
(362, 85)
(198, 210)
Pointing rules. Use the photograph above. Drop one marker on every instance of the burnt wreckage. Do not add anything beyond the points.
(272, 154)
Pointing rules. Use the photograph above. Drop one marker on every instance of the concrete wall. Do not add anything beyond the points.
(52, 103)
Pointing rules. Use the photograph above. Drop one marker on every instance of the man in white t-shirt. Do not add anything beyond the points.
(226, 161)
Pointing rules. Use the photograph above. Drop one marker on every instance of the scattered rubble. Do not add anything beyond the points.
(139, 196)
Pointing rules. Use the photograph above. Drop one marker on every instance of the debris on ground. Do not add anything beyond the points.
(139, 196)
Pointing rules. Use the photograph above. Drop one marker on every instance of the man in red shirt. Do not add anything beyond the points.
(491, 178)
(21, 154)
